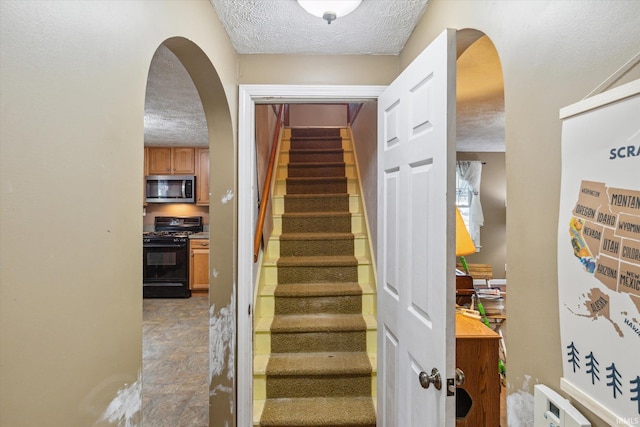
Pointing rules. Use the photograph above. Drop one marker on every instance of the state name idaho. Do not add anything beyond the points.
(605, 235)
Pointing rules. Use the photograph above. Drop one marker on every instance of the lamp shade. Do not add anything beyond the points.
(464, 244)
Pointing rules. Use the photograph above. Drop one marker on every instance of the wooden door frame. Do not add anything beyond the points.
(249, 96)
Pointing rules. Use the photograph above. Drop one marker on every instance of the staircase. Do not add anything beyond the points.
(315, 333)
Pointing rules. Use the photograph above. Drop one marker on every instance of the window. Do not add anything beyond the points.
(468, 197)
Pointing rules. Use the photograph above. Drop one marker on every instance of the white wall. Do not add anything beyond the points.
(553, 53)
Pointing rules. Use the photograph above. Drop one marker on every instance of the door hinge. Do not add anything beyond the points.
(249, 312)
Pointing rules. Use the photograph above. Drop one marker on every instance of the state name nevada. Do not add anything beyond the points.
(605, 236)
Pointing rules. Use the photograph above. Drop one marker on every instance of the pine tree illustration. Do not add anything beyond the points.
(615, 380)
(636, 391)
(592, 364)
(574, 357)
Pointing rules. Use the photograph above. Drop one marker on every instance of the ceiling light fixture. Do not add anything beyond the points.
(329, 10)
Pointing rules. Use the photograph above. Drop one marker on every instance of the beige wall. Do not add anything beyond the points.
(72, 88)
(365, 139)
(318, 69)
(266, 120)
(493, 195)
(553, 54)
(318, 115)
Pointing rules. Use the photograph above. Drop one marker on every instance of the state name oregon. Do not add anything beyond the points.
(605, 237)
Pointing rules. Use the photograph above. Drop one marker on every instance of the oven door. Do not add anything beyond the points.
(165, 270)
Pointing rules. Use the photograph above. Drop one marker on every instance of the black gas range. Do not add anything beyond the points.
(166, 257)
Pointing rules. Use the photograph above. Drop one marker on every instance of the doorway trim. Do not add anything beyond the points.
(249, 96)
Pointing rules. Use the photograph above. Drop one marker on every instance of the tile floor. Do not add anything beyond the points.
(175, 360)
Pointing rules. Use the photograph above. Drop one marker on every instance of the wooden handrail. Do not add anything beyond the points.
(266, 187)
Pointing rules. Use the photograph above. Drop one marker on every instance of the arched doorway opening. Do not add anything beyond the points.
(480, 136)
(222, 226)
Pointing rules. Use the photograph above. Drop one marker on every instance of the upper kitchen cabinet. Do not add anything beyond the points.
(202, 174)
(171, 161)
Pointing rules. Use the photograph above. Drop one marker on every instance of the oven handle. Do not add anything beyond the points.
(163, 245)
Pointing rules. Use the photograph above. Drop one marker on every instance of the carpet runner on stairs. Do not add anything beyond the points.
(319, 372)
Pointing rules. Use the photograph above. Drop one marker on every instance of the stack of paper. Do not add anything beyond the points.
(491, 301)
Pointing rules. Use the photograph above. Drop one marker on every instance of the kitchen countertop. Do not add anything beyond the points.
(202, 235)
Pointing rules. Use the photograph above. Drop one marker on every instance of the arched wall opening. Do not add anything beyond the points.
(480, 137)
(222, 227)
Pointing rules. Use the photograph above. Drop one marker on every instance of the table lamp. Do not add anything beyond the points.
(464, 244)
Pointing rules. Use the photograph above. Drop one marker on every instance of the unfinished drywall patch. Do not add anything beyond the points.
(226, 198)
(222, 335)
(124, 409)
(520, 406)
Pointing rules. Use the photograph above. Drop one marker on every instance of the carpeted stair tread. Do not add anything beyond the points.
(293, 290)
(313, 155)
(318, 261)
(314, 164)
(316, 142)
(315, 151)
(316, 169)
(314, 132)
(322, 297)
(315, 138)
(331, 214)
(316, 244)
(319, 411)
(329, 363)
(316, 185)
(316, 202)
(308, 323)
(316, 236)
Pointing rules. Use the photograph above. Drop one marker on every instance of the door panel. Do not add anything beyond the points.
(416, 260)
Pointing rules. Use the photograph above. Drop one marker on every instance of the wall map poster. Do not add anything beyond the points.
(599, 254)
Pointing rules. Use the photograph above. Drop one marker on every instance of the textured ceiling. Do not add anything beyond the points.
(480, 99)
(283, 26)
(174, 114)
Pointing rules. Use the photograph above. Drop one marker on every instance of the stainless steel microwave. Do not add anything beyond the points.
(170, 189)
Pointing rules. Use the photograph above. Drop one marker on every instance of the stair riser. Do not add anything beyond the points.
(313, 224)
(317, 204)
(322, 186)
(314, 386)
(320, 170)
(314, 132)
(301, 156)
(350, 304)
(318, 341)
(312, 274)
(301, 144)
(316, 247)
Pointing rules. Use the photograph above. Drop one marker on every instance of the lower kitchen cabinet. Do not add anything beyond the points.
(199, 265)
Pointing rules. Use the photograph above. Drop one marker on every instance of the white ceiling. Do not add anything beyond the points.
(282, 26)
(174, 114)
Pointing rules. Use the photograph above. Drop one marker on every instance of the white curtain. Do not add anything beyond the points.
(470, 172)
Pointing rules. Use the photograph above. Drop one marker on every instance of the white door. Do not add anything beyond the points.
(416, 240)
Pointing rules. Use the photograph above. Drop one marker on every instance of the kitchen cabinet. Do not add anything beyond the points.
(202, 176)
(478, 398)
(171, 161)
(199, 265)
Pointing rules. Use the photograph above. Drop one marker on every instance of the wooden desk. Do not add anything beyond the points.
(477, 356)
